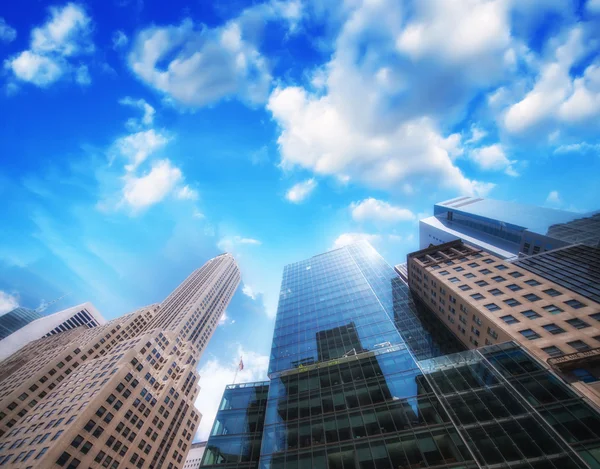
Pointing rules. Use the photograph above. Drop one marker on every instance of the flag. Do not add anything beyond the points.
(241, 365)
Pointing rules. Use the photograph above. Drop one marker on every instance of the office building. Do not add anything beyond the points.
(120, 395)
(236, 434)
(486, 300)
(194, 457)
(506, 228)
(85, 315)
(390, 396)
(15, 320)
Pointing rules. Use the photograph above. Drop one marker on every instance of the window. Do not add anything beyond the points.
(473, 264)
(552, 309)
(532, 297)
(485, 271)
(74, 464)
(453, 280)
(488, 261)
(498, 278)
(86, 447)
(62, 460)
(482, 283)
(532, 282)
(477, 296)
(42, 452)
(579, 345)
(553, 329)
(465, 287)
(492, 307)
(512, 302)
(459, 269)
(443, 272)
(530, 314)
(515, 274)
(530, 334)
(552, 292)
(513, 287)
(76, 441)
(469, 275)
(595, 316)
(581, 374)
(577, 323)
(501, 267)
(574, 304)
(495, 291)
(553, 351)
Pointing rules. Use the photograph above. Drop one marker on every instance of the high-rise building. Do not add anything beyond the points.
(506, 228)
(486, 300)
(120, 395)
(357, 381)
(15, 320)
(194, 457)
(81, 315)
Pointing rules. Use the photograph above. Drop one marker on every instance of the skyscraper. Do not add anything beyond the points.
(357, 381)
(16, 319)
(81, 315)
(118, 395)
(506, 228)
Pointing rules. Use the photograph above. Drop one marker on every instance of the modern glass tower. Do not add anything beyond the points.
(358, 381)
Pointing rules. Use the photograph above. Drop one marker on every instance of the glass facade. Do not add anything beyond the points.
(236, 434)
(361, 378)
(15, 320)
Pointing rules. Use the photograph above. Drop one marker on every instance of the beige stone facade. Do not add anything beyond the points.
(486, 300)
(116, 396)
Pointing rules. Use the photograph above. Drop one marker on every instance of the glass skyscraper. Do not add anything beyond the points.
(359, 381)
(15, 320)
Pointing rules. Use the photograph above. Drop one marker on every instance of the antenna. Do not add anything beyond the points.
(44, 305)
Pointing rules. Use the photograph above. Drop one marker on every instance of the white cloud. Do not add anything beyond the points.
(8, 302)
(556, 99)
(7, 32)
(249, 292)
(119, 39)
(348, 238)
(493, 158)
(582, 148)
(377, 210)
(593, 6)
(204, 65)
(299, 192)
(228, 244)
(216, 374)
(82, 75)
(137, 147)
(147, 110)
(144, 191)
(186, 193)
(553, 198)
(65, 35)
(476, 134)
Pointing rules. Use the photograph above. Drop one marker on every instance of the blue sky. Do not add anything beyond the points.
(138, 139)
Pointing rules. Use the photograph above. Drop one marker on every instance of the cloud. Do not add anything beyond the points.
(137, 147)
(7, 32)
(299, 192)
(147, 110)
(492, 158)
(553, 198)
(119, 39)
(593, 6)
(476, 134)
(186, 193)
(8, 302)
(225, 320)
(348, 238)
(53, 45)
(581, 148)
(228, 244)
(379, 211)
(215, 374)
(142, 192)
(557, 99)
(247, 290)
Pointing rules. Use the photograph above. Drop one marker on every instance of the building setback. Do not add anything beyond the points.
(194, 457)
(81, 315)
(486, 300)
(357, 381)
(120, 395)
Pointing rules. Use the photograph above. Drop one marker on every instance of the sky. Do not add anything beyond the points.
(140, 138)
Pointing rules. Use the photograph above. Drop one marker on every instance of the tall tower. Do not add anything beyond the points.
(120, 395)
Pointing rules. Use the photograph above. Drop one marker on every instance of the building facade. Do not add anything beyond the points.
(194, 457)
(236, 434)
(15, 320)
(357, 383)
(486, 300)
(81, 315)
(120, 395)
(506, 228)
